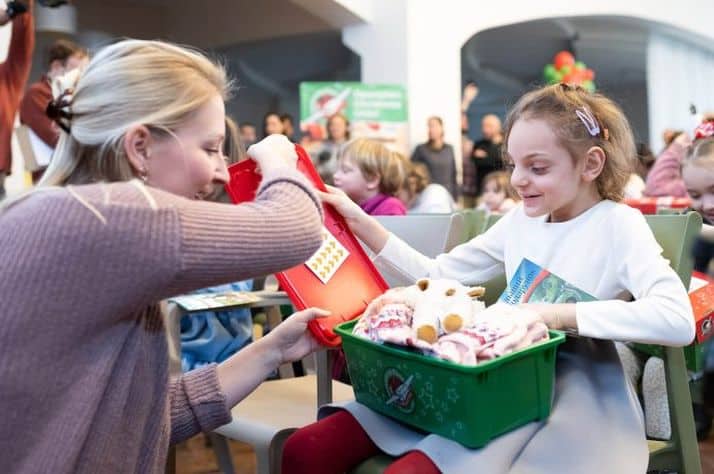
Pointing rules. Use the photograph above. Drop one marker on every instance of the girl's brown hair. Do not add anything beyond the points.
(503, 183)
(558, 104)
(374, 159)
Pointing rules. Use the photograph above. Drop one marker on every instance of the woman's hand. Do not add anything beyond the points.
(273, 151)
(247, 368)
(292, 338)
(364, 226)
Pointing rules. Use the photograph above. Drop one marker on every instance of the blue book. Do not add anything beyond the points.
(534, 284)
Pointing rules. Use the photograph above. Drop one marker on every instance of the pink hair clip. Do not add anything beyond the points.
(589, 121)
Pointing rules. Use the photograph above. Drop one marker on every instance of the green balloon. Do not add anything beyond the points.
(558, 77)
(588, 86)
(580, 66)
(549, 73)
(565, 70)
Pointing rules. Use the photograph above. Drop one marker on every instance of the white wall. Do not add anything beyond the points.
(417, 43)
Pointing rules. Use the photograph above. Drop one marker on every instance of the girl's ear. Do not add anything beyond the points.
(373, 182)
(137, 146)
(594, 163)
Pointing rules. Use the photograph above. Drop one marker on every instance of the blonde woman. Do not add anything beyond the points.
(116, 225)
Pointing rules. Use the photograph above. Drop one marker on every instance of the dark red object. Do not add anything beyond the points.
(355, 284)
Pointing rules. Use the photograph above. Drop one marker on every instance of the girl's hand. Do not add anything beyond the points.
(273, 151)
(364, 226)
(555, 316)
(343, 204)
(292, 338)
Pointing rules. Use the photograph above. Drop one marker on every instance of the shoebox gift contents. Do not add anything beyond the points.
(433, 357)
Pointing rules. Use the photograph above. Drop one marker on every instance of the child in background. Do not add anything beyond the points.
(371, 175)
(665, 176)
(421, 196)
(697, 176)
(498, 197)
(570, 151)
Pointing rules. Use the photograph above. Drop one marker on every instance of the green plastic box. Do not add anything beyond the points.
(470, 405)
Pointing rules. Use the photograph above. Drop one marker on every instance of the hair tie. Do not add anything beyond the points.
(58, 110)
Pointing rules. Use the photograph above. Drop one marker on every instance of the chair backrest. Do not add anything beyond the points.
(474, 221)
(430, 234)
(676, 235)
(490, 220)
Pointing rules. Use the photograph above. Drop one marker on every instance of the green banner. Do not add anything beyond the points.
(377, 111)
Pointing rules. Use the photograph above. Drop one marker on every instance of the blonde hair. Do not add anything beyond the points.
(557, 104)
(233, 148)
(131, 82)
(503, 183)
(374, 159)
(701, 154)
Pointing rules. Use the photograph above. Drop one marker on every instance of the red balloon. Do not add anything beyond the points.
(589, 74)
(563, 58)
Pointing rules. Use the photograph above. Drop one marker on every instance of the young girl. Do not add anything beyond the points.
(498, 196)
(118, 224)
(569, 150)
(371, 175)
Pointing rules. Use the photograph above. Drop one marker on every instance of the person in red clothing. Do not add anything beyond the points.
(64, 56)
(14, 73)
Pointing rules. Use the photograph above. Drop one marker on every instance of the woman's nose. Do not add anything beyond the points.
(222, 174)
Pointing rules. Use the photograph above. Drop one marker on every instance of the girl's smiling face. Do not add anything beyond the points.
(545, 175)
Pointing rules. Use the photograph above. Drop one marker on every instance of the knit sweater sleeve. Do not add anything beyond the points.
(665, 177)
(221, 243)
(196, 404)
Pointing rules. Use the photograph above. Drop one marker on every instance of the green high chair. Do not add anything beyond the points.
(676, 235)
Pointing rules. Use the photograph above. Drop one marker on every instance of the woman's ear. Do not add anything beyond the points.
(594, 163)
(137, 146)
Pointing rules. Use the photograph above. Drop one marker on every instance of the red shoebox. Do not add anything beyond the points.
(352, 287)
(650, 205)
(701, 295)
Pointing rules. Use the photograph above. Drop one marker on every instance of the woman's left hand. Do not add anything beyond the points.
(292, 338)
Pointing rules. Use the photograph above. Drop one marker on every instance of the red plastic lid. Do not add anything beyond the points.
(351, 288)
(650, 205)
